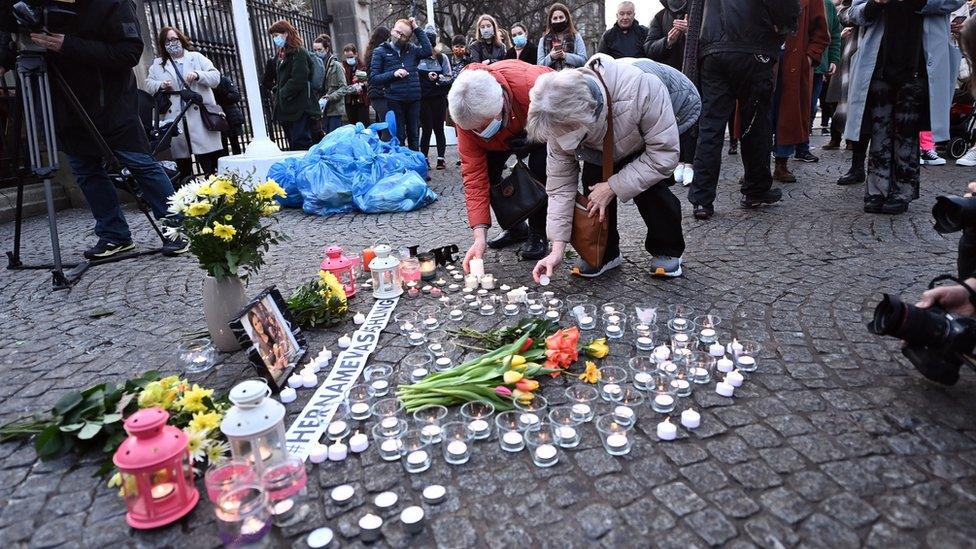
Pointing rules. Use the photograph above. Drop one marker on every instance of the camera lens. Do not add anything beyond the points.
(919, 327)
(954, 213)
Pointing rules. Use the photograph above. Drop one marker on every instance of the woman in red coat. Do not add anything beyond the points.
(792, 102)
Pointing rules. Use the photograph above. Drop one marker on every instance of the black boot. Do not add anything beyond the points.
(514, 235)
(535, 246)
(852, 177)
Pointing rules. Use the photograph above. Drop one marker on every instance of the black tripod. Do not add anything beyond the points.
(35, 89)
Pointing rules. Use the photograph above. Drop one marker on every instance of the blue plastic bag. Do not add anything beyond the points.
(285, 173)
(326, 186)
(400, 192)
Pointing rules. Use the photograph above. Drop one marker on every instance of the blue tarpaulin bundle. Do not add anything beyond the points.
(352, 169)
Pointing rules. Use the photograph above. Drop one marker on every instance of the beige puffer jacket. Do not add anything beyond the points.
(643, 120)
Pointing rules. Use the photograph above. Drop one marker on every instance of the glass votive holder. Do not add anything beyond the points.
(417, 365)
(554, 308)
(339, 427)
(565, 426)
(543, 444)
(681, 382)
(456, 441)
(428, 420)
(438, 336)
(645, 313)
(645, 335)
(700, 367)
(443, 364)
(679, 310)
(613, 308)
(681, 325)
(575, 300)
(443, 348)
(386, 438)
(611, 380)
(614, 325)
(477, 414)
(641, 368)
(669, 367)
(223, 476)
(535, 307)
(707, 328)
(531, 412)
(680, 341)
(197, 355)
(510, 431)
(430, 317)
(378, 377)
(617, 437)
(387, 409)
(359, 397)
(662, 393)
(585, 315)
(627, 403)
(745, 359)
(243, 516)
(285, 483)
(456, 313)
(511, 309)
(486, 306)
(406, 322)
(415, 452)
(582, 400)
(416, 338)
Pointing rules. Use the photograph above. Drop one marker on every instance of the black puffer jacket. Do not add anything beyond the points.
(747, 26)
(656, 46)
(228, 96)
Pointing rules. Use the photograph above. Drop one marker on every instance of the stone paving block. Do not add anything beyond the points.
(679, 498)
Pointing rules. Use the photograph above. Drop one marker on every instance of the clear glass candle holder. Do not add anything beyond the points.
(700, 368)
(223, 476)
(340, 425)
(512, 309)
(668, 367)
(662, 394)
(438, 336)
(414, 452)
(681, 382)
(386, 439)
(456, 443)
(645, 313)
(681, 341)
(486, 307)
(243, 516)
(611, 381)
(535, 308)
(679, 310)
(388, 408)
(613, 308)
(285, 483)
(456, 314)
(359, 398)
(430, 317)
(614, 325)
(416, 338)
(478, 415)
(745, 359)
(641, 368)
(626, 405)
(554, 308)
(440, 349)
(565, 426)
(406, 322)
(582, 399)
(510, 431)
(443, 364)
(429, 420)
(574, 300)
(645, 335)
(417, 365)
(585, 315)
(379, 377)
(197, 355)
(542, 444)
(707, 326)
(531, 412)
(617, 438)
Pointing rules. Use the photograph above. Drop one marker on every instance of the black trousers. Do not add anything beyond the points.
(893, 171)
(358, 112)
(659, 208)
(207, 162)
(725, 79)
(433, 111)
(536, 162)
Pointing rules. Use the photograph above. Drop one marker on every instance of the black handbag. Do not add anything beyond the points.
(517, 196)
(212, 116)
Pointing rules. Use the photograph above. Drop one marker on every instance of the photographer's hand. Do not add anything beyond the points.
(50, 42)
(952, 298)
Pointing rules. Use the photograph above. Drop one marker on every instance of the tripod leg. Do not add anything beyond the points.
(60, 281)
(13, 258)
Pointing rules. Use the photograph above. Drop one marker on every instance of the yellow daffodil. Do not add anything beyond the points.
(153, 394)
(522, 396)
(270, 209)
(198, 208)
(330, 281)
(517, 360)
(223, 232)
(192, 400)
(597, 348)
(205, 421)
(269, 189)
(592, 373)
(511, 377)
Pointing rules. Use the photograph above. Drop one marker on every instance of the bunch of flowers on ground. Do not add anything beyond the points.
(226, 222)
(561, 350)
(319, 303)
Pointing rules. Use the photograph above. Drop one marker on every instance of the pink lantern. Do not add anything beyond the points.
(157, 475)
(342, 267)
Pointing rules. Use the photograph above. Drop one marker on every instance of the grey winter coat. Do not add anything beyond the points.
(942, 59)
(685, 99)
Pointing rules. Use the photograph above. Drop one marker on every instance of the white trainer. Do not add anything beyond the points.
(689, 176)
(968, 159)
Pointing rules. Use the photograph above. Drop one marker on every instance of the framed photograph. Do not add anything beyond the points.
(272, 341)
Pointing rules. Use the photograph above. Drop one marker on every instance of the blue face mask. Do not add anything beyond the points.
(279, 41)
(351, 61)
(519, 40)
(322, 54)
(491, 129)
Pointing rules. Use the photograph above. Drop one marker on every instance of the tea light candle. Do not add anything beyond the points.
(690, 419)
(320, 537)
(505, 288)
(344, 342)
(453, 288)
(359, 408)
(645, 341)
(457, 447)
(735, 347)
(544, 280)
(417, 457)
(536, 308)
(512, 438)
(724, 389)
(359, 443)
(748, 362)
(431, 431)
(435, 347)
(388, 422)
(342, 494)
(416, 338)
(516, 296)
(287, 395)
(413, 292)
(488, 282)
(443, 363)
(369, 527)
(581, 409)
(413, 519)
(390, 446)
(716, 350)
(337, 451)
(724, 365)
(477, 267)
(586, 320)
(624, 412)
(471, 282)
(528, 419)
(318, 453)
(611, 388)
(427, 288)
(669, 367)
(707, 333)
(295, 381)
(566, 432)
(457, 314)
(511, 309)
(478, 426)
(380, 385)
(662, 353)
(337, 427)
(734, 378)
(613, 330)
(617, 440)
(434, 494)
(545, 451)
(680, 323)
(667, 430)
(385, 500)
(552, 315)
(458, 277)
(309, 380)
(642, 378)
(664, 401)
(359, 318)
(487, 309)
(436, 292)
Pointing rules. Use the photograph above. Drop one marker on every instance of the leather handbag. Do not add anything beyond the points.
(212, 116)
(517, 196)
(589, 237)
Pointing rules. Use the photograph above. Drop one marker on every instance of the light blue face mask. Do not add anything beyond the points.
(351, 61)
(491, 129)
(279, 41)
(519, 40)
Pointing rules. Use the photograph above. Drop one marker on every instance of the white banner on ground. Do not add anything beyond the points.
(315, 417)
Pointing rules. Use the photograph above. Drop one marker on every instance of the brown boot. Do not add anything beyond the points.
(832, 145)
(782, 172)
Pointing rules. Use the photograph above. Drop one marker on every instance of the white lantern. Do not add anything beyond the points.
(255, 426)
(385, 270)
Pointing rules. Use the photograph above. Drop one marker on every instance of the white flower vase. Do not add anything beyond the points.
(223, 298)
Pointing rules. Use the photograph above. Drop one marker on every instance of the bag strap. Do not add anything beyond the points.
(971, 291)
(608, 137)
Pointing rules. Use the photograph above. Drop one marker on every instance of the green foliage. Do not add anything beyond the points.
(315, 304)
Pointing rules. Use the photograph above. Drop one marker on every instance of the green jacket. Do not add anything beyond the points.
(293, 88)
(833, 51)
(335, 87)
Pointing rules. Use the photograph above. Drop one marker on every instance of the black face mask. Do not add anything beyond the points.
(677, 6)
(559, 27)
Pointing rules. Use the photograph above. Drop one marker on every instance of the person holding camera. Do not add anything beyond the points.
(95, 53)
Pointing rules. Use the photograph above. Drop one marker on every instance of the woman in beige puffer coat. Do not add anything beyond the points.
(568, 111)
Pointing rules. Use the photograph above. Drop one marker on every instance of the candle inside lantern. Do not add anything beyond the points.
(416, 338)
(611, 389)
(511, 309)
(667, 430)
(586, 320)
(682, 384)
(734, 378)
(443, 363)
(159, 491)
(613, 330)
(567, 432)
(690, 419)
(457, 314)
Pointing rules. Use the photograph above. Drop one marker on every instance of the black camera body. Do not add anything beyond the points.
(954, 213)
(937, 342)
(42, 16)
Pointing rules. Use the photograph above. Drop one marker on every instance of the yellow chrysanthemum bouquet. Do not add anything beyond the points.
(227, 222)
(319, 303)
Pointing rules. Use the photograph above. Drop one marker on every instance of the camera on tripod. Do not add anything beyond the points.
(954, 213)
(41, 16)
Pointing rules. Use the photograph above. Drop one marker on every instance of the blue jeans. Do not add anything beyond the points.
(408, 122)
(110, 222)
(331, 123)
(818, 83)
(299, 133)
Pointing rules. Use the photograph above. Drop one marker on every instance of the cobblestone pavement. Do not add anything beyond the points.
(835, 442)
